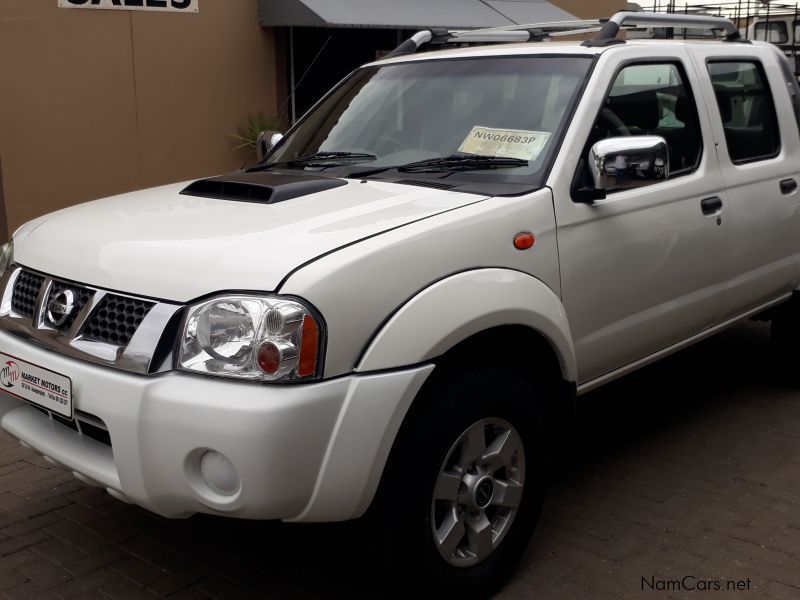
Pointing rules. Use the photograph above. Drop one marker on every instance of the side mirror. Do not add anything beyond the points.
(629, 162)
(265, 142)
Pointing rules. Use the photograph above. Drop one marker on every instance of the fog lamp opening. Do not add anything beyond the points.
(219, 474)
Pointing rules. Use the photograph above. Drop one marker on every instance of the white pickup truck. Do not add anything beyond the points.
(392, 314)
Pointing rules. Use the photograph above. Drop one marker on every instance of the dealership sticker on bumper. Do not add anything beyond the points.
(37, 385)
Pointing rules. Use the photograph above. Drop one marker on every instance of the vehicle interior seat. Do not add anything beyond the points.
(745, 118)
(682, 135)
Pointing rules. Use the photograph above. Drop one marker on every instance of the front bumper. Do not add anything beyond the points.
(310, 452)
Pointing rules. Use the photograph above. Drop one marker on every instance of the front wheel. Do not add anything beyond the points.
(464, 484)
(478, 492)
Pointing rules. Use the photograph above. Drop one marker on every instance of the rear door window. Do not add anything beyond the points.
(747, 110)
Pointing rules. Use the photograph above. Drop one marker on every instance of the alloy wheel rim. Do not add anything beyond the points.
(478, 492)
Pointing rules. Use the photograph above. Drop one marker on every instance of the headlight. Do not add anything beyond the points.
(248, 337)
(6, 257)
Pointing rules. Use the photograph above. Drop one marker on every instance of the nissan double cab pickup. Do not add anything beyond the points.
(391, 314)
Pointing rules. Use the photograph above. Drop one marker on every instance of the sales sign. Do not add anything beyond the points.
(155, 5)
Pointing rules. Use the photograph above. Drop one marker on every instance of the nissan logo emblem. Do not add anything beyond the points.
(60, 307)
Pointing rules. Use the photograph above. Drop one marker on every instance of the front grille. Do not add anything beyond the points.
(98, 326)
(83, 424)
(26, 292)
(86, 428)
(116, 319)
(80, 296)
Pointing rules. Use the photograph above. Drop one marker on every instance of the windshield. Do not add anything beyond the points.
(507, 112)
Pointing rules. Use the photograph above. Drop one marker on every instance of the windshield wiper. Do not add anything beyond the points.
(319, 159)
(463, 162)
(454, 162)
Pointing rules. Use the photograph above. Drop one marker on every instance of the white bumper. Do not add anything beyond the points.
(301, 452)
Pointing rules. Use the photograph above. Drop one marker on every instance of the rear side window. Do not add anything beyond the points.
(747, 110)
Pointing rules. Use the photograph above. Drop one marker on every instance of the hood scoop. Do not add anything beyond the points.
(261, 187)
(436, 185)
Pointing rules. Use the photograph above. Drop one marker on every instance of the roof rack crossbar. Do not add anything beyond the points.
(544, 26)
(608, 32)
(606, 29)
(506, 34)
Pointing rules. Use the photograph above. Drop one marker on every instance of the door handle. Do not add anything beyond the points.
(711, 206)
(788, 186)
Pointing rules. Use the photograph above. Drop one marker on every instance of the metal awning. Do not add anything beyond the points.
(407, 14)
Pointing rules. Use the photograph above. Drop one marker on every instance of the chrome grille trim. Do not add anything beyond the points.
(135, 357)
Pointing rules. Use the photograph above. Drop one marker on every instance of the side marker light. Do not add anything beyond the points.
(524, 240)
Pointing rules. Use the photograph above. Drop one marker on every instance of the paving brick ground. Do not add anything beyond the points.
(688, 468)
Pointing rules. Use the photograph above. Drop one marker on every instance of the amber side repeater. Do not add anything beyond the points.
(524, 240)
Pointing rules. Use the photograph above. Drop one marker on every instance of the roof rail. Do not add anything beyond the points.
(531, 32)
(608, 32)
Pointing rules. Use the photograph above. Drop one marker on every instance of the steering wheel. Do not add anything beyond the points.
(610, 117)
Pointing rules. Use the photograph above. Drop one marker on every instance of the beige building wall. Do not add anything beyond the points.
(99, 102)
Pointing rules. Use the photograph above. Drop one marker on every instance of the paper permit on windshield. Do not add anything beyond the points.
(505, 143)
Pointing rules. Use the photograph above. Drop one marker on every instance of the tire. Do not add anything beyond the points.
(443, 431)
(785, 330)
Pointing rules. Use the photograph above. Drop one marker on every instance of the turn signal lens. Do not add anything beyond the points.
(309, 348)
(524, 240)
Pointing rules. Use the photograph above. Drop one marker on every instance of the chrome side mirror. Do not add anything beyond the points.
(629, 162)
(265, 142)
